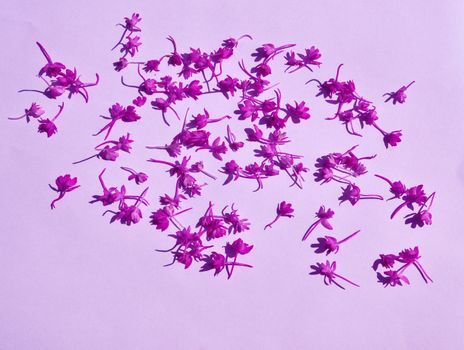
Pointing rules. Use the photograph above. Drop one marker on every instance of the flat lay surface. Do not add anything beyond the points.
(69, 280)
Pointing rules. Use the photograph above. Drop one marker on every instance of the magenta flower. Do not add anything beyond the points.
(352, 194)
(351, 107)
(214, 261)
(129, 214)
(65, 80)
(34, 111)
(419, 219)
(410, 257)
(110, 195)
(390, 277)
(284, 209)
(51, 68)
(300, 111)
(202, 120)
(231, 139)
(120, 64)
(138, 177)
(392, 139)
(327, 270)
(152, 66)
(48, 125)
(228, 86)
(216, 148)
(340, 166)
(130, 25)
(385, 260)
(396, 188)
(199, 167)
(398, 96)
(163, 105)
(238, 247)
(236, 224)
(64, 184)
(323, 219)
(165, 216)
(118, 112)
(413, 195)
(217, 262)
(267, 52)
(131, 46)
(330, 244)
(110, 153)
(310, 57)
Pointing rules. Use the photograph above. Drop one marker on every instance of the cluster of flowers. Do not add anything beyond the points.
(340, 167)
(328, 245)
(352, 107)
(194, 136)
(126, 214)
(60, 80)
(411, 196)
(189, 245)
(210, 67)
(274, 159)
(109, 150)
(46, 125)
(260, 106)
(391, 277)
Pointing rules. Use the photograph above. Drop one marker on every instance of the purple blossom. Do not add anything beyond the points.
(138, 177)
(398, 96)
(283, 209)
(48, 126)
(327, 270)
(323, 216)
(34, 111)
(352, 194)
(329, 244)
(407, 257)
(64, 184)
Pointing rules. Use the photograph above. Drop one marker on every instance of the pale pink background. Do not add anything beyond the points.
(68, 280)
